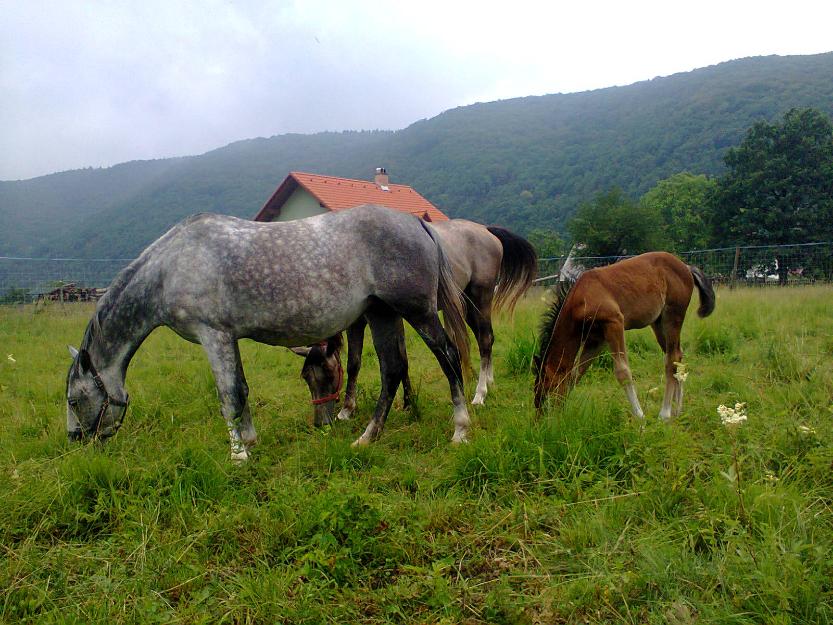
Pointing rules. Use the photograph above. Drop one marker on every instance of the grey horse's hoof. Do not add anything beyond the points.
(239, 457)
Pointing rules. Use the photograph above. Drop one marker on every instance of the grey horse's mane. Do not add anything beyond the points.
(109, 300)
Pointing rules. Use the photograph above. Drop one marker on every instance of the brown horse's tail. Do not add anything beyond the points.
(704, 286)
(450, 301)
(517, 269)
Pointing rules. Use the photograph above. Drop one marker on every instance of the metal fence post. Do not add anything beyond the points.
(735, 268)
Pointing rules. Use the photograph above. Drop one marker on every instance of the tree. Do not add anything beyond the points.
(682, 201)
(779, 185)
(614, 225)
(547, 243)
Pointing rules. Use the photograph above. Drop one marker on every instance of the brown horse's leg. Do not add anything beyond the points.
(673, 402)
(670, 387)
(588, 355)
(614, 333)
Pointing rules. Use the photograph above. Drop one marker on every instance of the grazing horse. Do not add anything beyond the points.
(651, 289)
(215, 279)
(492, 266)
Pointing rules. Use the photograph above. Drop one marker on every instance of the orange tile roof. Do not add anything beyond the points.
(338, 194)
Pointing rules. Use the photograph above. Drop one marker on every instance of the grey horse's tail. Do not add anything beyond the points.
(517, 269)
(704, 286)
(450, 301)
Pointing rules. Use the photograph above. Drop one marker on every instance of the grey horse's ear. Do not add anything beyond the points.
(72, 352)
(85, 361)
(303, 352)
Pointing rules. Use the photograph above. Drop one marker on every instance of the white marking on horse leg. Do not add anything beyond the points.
(239, 454)
(636, 409)
(678, 399)
(480, 391)
(483, 382)
(462, 423)
(348, 409)
(668, 398)
(371, 433)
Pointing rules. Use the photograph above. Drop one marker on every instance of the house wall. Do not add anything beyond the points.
(300, 205)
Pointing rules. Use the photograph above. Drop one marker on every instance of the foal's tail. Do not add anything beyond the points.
(517, 269)
(704, 286)
(450, 301)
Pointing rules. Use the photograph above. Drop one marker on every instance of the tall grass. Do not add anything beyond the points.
(581, 515)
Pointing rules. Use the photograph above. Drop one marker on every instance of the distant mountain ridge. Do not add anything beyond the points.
(524, 163)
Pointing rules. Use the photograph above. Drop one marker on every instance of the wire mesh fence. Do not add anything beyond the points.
(60, 279)
(67, 279)
(751, 265)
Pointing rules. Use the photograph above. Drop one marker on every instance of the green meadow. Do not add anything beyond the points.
(580, 516)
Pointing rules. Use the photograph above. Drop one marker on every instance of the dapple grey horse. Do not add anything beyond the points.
(215, 279)
(491, 265)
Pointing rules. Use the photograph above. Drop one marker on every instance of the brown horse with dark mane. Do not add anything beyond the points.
(652, 289)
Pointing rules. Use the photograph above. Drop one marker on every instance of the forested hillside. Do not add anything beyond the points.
(524, 163)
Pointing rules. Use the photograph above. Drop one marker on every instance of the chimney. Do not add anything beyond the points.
(381, 178)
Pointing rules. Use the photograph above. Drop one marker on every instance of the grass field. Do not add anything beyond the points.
(577, 517)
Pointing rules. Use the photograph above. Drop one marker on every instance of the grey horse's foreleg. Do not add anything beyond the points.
(431, 331)
(355, 346)
(224, 358)
(385, 331)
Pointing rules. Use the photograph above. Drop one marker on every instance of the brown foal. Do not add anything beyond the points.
(652, 289)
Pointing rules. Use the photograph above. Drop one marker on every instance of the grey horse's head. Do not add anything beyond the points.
(324, 375)
(94, 409)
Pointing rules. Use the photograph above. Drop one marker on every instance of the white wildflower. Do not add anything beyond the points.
(770, 477)
(682, 372)
(10, 358)
(732, 416)
(805, 429)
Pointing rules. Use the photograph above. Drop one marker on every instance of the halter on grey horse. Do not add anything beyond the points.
(491, 265)
(215, 279)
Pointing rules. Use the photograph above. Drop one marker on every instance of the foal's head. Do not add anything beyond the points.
(324, 375)
(557, 350)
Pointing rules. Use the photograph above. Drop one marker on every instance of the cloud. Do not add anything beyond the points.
(93, 84)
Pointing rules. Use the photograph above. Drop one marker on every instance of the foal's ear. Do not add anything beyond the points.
(72, 352)
(303, 352)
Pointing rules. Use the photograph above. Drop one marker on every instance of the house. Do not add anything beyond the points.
(304, 195)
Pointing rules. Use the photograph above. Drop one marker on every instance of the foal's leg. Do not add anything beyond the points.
(614, 333)
(224, 357)
(355, 345)
(444, 350)
(479, 319)
(672, 402)
(385, 330)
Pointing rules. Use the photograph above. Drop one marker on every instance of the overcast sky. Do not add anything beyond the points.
(102, 82)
